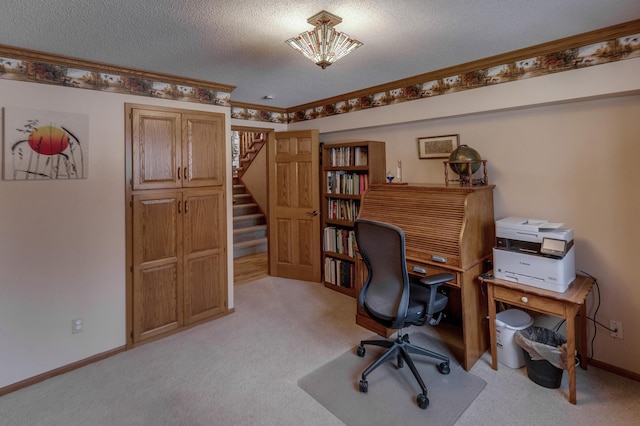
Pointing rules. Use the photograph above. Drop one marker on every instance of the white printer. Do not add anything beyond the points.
(534, 252)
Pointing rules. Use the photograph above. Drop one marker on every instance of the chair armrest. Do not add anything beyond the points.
(433, 282)
(436, 280)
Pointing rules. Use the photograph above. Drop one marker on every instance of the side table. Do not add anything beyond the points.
(566, 305)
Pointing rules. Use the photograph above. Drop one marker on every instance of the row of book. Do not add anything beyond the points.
(342, 182)
(349, 156)
(339, 272)
(340, 209)
(340, 240)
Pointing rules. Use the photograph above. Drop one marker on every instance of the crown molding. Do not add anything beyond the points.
(257, 107)
(256, 112)
(608, 33)
(71, 62)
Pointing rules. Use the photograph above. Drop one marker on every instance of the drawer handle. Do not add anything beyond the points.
(419, 270)
(524, 299)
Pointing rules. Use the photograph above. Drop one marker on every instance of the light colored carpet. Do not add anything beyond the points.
(244, 369)
(391, 397)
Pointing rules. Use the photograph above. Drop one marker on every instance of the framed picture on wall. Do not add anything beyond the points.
(437, 146)
(45, 145)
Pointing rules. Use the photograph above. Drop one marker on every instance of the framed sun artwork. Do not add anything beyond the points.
(45, 145)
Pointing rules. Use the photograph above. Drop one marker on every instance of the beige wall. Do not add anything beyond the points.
(256, 178)
(572, 162)
(62, 244)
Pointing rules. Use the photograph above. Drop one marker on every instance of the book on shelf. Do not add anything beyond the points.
(340, 209)
(360, 156)
(340, 240)
(341, 156)
(363, 183)
(339, 272)
(342, 182)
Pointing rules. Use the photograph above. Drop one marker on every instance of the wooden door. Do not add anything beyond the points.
(156, 149)
(203, 155)
(205, 259)
(294, 206)
(157, 264)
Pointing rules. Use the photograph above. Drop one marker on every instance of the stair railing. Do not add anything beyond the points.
(250, 144)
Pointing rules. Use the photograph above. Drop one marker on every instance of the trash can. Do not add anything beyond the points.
(507, 323)
(545, 355)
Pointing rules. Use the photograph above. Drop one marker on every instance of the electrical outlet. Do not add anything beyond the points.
(616, 325)
(76, 326)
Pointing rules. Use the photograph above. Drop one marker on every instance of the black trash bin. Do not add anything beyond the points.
(544, 355)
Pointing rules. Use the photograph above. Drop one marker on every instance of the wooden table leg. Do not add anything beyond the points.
(571, 350)
(584, 355)
(492, 327)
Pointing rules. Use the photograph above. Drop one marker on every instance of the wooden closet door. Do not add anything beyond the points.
(157, 161)
(203, 150)
(205, 259)
(157, 264)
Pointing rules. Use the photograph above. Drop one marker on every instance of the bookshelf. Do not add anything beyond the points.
(347, 171)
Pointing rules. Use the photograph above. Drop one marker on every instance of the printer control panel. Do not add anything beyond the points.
(553, 247)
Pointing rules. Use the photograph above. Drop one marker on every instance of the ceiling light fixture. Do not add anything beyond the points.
(324, 45)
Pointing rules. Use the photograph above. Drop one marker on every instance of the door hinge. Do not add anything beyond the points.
(131, 334)
(131, 203)
(131, 268)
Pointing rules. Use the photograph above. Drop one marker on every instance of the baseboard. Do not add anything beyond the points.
(615, 370)
(58, 371)
(131, 344)
(98, 357)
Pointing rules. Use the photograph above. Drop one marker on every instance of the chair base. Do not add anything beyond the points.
(401, 348)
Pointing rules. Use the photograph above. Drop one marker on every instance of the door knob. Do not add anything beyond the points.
(313, 213)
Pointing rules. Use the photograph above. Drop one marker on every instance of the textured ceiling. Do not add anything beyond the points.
(241, 43)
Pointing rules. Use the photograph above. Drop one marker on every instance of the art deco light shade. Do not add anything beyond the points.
(324, 45)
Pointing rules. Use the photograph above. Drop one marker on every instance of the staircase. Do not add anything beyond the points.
(249, 145)
(249, 224)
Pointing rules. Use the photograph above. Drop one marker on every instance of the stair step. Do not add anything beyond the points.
(245, 209)
(250, 247)
(241, 198)
(249, 224)
(249, 233)
(238, 189)
(248, 220)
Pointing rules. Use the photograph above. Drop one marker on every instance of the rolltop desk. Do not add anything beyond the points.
(447, 229)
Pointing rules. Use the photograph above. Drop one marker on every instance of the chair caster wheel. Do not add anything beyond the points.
(400, 361)
(422, 400)
(364, 386)
(360, 351)
(443, 368)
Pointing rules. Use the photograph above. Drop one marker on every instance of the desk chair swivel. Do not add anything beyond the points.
(394, 301)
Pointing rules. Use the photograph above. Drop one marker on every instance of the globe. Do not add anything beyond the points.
(464, 153)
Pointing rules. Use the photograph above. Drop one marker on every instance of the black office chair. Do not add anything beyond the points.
(395, 301)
